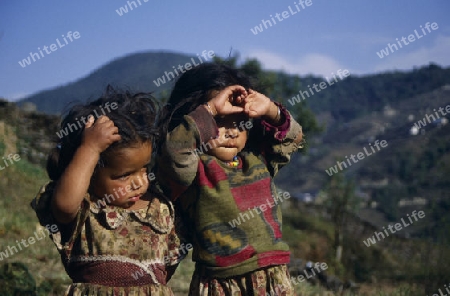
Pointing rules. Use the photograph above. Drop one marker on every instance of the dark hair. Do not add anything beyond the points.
(193, 88)
(135, 115)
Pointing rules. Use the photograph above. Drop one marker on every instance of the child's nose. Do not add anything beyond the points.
(232, 132)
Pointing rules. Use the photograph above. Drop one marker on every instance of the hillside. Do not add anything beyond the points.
(410, 173)
(36, 269)
(410, 166)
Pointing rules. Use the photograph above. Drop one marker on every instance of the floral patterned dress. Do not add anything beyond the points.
(115, 251)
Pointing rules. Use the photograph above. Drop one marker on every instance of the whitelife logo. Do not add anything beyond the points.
(183, 68)
(10, 159)
(257, 210)
(359, 155)
(124, 9)
(430, 117)
(411, 38)
(281, 16)
(53, 47)
(371, 240)
(341, 73)
(173, 255)
(11, 250)
(108, 198)
(73, 126)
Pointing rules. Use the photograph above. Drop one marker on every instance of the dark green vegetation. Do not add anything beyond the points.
(339, 121)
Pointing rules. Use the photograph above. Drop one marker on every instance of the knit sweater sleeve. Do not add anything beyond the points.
(179, 157)
(281, 141)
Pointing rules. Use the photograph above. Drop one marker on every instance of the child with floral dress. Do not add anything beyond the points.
(115, 230)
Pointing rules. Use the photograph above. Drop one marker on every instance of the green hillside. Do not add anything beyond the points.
(341, 120)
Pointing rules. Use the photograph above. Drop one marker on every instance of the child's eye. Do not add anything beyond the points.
(122, 177)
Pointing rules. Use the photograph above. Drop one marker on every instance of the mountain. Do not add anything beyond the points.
(136, 71)
(344, 98)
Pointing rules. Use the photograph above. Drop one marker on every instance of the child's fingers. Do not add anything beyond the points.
(239, 99)
(108, 135)
(110, 129)
(90, 121)
(103, 119)
(115, 137)
(235, 109)
(236, 88)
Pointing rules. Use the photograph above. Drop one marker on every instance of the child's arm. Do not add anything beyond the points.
(74, 183)
(178, 161)
(282, 134)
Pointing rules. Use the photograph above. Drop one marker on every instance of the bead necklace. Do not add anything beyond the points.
(234, 162)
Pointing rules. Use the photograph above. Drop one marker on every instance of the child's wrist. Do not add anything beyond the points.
(210, 109)
(89, 149)
(274, 114)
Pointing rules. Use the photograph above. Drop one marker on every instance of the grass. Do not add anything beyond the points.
(308, 235)
(19, 183)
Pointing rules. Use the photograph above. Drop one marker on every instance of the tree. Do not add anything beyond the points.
(340, 201)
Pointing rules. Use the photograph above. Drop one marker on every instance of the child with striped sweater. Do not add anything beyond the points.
(224, 144)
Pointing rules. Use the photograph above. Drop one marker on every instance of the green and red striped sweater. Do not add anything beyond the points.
(233, 214)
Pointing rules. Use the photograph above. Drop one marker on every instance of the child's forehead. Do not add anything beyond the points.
(134, 150)
(236, 117)
(213, 92)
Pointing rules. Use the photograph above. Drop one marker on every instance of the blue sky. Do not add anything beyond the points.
(318, 39)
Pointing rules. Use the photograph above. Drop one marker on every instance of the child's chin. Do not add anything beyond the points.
(224, 153)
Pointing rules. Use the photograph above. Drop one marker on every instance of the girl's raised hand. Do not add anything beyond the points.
(228, 100)
(257, 105)
(99, 134)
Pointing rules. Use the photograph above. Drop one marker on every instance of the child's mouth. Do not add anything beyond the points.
(230, 143)
(135, 198)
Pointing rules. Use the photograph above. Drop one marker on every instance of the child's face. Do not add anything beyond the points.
(232, 137)
(124, 180)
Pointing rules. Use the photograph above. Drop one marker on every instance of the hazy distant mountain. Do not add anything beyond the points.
(343, 99)
(136, 71)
